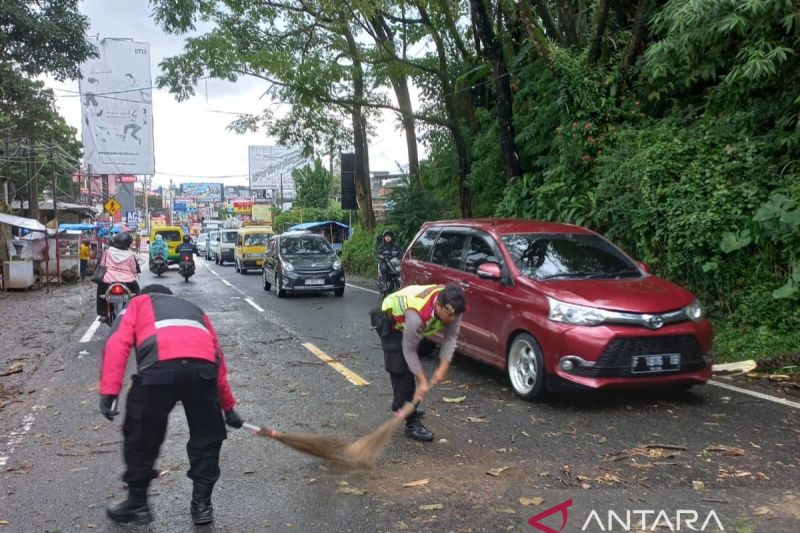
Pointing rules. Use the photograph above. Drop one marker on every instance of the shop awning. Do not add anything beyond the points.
(22, 222)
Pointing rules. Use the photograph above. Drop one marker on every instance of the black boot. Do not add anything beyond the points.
(134, 509)
(202, 510)
(417, 431)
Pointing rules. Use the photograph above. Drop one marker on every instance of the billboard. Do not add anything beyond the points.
(203, 193)
(117, 108)
(270, 167)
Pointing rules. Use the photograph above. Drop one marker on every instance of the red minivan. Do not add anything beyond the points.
(547, 299)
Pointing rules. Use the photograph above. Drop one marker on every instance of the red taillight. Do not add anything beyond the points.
(117, 289)
(187, 257)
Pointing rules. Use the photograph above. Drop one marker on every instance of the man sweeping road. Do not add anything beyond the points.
(405, 318)
(178, 358)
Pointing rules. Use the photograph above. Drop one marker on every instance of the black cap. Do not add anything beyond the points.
(453, 298)
(155, 288)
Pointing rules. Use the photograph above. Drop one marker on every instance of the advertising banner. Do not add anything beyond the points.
(270, 168)
(204, 193)
(117, 108)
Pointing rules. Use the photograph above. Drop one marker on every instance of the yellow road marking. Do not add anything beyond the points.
(351, 376)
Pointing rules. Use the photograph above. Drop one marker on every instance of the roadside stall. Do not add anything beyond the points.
(71, 236)
(24, 248)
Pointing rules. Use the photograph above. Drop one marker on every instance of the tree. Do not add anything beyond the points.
(313, 186)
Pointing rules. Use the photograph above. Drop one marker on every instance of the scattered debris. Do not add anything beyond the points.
(351, 490)
(531, 501)
(734, 369)
(431, 507)
(497, 471)
(15, 368)
(761, 511)
(666, 447)
(698, 485)
(417, 483)
(481, 418)
(726, 450)
(457, 399)
(779, 377)
(585, 486)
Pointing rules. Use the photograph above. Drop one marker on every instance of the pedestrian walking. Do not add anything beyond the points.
(178, 358)
(405, 318)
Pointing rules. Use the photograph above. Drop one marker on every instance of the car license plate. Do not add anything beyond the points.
(117, 298)
(666, 362)
(315, 282)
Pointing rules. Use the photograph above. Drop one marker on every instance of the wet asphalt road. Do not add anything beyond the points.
(64, 460)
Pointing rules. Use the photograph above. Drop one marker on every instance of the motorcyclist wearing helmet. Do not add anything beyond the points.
(187, 246)
(159, 247)
(386, 250)
(121, 267)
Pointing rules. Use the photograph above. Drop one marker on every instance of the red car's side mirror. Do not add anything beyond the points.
(643, 266)
(490, 271)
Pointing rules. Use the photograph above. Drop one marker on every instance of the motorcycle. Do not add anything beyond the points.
(158, 265)
(117, 297)
(186, 265)
(389, 282)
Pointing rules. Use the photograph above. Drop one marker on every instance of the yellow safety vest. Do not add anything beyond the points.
(420, 298)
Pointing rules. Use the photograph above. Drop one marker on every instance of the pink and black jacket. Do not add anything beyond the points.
(162, 328)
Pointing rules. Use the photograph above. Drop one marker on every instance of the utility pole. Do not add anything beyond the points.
(33, 183)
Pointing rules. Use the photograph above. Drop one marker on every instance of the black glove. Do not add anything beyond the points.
(108, 406)
(233, 419)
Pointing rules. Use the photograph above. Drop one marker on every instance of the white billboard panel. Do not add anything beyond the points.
(272, 165)
(117, 108)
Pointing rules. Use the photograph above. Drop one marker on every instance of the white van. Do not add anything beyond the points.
(223, 245)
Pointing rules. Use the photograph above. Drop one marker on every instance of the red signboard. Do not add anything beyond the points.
(126, 178)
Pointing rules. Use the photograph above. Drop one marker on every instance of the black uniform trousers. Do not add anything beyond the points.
(152, 396)
(403, 382)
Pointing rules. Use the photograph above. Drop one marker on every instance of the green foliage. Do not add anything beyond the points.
(411, 207)
(732, 342)
(313, 185)
(358, 252)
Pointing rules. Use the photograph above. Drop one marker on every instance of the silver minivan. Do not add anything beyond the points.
(211, 238)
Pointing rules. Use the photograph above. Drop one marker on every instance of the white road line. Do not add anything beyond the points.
(362, 288)
(755, 394)
(253, 304)
(15, 438)
(90, 332)
(226, 282)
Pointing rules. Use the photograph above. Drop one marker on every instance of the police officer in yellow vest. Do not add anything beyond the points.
(405, 318)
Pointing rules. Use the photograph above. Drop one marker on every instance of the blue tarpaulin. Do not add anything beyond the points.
(320, 225)
(79, 227)
(329, 227)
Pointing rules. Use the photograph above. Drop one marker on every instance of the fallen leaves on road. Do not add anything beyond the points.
(351, 490)
(417, 483)
(779, 377)
(761, 511)
(497, 471)
(431, 507)
(457, 399)
(698, 485)
(3, 522)
(477, 419)
(531, 501)
(15, 368)
(726, 450)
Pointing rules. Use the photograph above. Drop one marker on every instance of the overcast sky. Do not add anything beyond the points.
(191, 140)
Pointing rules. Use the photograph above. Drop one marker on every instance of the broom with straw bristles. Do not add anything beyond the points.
(363, 452)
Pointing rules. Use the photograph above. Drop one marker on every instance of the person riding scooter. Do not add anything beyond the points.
(386, 250)
(187, 246)
(121, 267)
(158, 247)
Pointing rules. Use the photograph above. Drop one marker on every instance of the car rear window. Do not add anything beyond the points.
(449, 248)
(544, 256)
(227, 236)
(305, 245)
(422, 247)
(170, 236)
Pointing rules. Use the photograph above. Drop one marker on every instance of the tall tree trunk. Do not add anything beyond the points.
(548, 22)
(360, 141)
(494, 50)
(597, 34)
(400, 86)
(454, 124)
(566, 18)
(536, 35)
(635, 45)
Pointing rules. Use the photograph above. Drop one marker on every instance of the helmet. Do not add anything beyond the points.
(388, 232)
(159, 237)
(186, 238)
(122, 240)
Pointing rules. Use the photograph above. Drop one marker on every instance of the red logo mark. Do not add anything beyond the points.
(563, 506)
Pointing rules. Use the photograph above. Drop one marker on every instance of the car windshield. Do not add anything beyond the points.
(228, 236)
(546, 256)
(306, 245)
(171, 236)
(256, 239)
